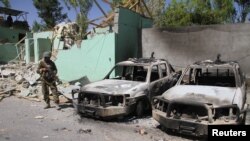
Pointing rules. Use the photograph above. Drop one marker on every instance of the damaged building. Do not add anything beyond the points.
(78, 61)
(127, 33)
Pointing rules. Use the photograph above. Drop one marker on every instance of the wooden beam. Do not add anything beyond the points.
(97, 25)
(137, 6)
(110, 17)
(127, 4)
(141, 9)
(97, 4)
(95, 19)
(108, 20)
(106, 1)
(146, 8)
(133, 5)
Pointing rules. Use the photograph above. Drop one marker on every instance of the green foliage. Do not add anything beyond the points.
(176, 14)
(38, 27)
(50, 12)
(156, 8)
(197, 12)
(82, 21)
(84, 7)
(5, 3)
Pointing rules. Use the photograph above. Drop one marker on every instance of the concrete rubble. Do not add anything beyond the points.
(21, 80)
(86, 131)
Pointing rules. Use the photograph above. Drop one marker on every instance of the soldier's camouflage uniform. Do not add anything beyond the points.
(48, 78)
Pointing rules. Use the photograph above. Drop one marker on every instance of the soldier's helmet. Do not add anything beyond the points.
(47, 54)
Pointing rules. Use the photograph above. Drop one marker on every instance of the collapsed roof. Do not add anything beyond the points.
(12, 12)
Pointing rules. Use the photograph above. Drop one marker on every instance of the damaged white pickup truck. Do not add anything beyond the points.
(207, 93)
(127, 89)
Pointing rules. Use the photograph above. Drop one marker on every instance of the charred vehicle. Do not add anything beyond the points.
(207, 93)
(127, 88)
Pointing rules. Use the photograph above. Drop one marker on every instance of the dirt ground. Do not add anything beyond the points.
(23, 120)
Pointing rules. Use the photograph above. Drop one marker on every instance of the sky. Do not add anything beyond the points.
(27, 6)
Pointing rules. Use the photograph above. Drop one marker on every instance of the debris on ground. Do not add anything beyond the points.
(85, 131)
(62, 129)
(22, 80)
(39, 117)
(65, 129)
(141, 131)
(45, 137)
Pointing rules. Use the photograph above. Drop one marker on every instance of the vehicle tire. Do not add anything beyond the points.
(139, 111)
(247, 117)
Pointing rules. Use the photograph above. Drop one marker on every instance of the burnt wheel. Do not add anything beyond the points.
(139, 111)
(247, 117)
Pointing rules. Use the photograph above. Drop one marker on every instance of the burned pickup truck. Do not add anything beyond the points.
(207, 93)
(127, 89)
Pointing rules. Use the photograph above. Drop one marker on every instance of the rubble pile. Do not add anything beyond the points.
(20, 79)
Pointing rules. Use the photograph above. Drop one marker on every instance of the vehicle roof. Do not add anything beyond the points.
(142, 61)
(217, 63)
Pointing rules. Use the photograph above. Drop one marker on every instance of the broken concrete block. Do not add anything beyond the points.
(19, 79)
(63, 99)
(83, 80)
(39, 117)
(7, 72)
(77, 84)
(32, 77)
(66, 91)
(80, 131)
(25, 84)
(24, 92)
(141, 131)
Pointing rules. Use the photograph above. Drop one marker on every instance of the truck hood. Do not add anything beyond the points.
(111, 86)
(218, 96)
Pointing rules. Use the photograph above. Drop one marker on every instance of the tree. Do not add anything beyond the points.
(243, 9)
(38, 27)
(176, 14)
(198, 12)
(5, 3)
(84, 7)
(156, 7)
(212, 11)
(50, 12)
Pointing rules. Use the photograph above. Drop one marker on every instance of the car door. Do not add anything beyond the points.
(167, 80)
(155, 81)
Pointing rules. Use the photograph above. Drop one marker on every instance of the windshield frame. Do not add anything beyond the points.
(129, 65)
(207, 67)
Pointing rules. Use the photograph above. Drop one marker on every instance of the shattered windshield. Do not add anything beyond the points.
(131, 73)
(210, 76)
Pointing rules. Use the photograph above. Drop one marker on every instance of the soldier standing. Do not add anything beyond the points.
(47, 69)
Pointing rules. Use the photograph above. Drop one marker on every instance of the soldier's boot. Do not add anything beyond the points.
(47, 106)
(57, 105)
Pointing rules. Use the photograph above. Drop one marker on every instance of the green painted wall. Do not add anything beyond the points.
(44, 45)
(8, 52)
(45, 35)
(29, 50)
(94, 59)
(128, 38)
(12, 35)
(36, 44)
(100, 52)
